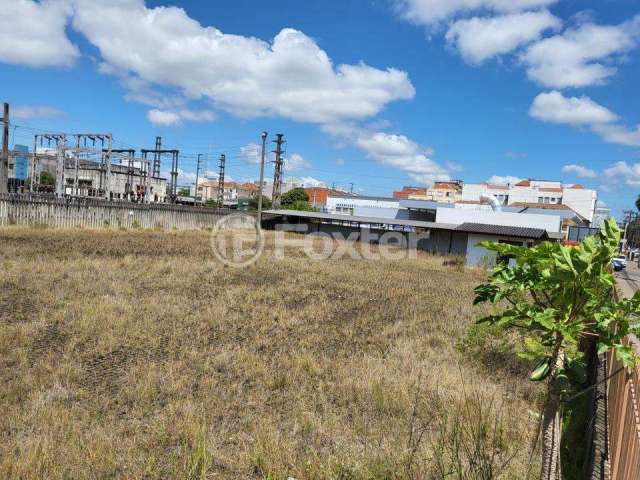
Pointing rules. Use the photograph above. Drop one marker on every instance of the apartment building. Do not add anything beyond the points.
(541, 192)
(444, 192)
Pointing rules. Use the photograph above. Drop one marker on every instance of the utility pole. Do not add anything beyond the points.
(221, 182)
(195, 195)
(4, 161)
(174, 176)
(60, 153)
(277, 174)
(264, 146)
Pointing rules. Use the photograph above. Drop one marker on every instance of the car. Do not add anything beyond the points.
(619, 263)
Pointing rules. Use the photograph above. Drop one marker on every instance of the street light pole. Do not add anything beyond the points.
(264, 143)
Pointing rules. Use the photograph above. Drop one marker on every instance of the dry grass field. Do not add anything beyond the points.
(137, 355)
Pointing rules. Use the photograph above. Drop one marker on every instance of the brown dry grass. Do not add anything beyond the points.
(136, 355)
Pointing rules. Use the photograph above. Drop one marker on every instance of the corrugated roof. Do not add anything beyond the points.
(520, 232)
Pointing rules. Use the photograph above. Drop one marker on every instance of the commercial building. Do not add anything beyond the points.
(452, 239)
(349, 204)
(542, 192)
(126, 183)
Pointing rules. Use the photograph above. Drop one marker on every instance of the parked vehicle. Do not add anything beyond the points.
(619, 263)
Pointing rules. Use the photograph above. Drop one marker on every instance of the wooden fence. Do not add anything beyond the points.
(91, 213)
(624, 417)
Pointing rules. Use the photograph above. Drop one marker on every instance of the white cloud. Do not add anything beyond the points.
(580, 171)
(580, 56)
(296, 162)
(33, 33)
(27, 112)
(163, 118)
(290, 77)
(619, 134)
(431, 12)
(624, 172)
(500, 180)
(340, 162)
(400, 152)
(481, 38)
(312, 182)
(171, 118)
(556, 108)
(251, 153)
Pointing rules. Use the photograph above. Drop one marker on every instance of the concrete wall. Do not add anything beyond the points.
(84, 213)
(582, 201)
(334, 203)
(550, 223)
(480, 257)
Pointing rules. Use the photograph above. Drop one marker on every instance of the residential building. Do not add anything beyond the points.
(542, 192)
(318, 195)
(416, 193)
(446, 192)
(208, 190)
(247, 190)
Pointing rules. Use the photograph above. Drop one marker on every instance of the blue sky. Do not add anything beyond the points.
(380, 93)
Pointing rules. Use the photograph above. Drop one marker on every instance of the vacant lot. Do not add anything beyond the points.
(136, 355)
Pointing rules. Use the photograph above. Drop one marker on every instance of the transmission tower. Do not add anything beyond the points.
(156, 157)
(277, 174)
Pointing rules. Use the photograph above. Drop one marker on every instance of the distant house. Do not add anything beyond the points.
(540, 192)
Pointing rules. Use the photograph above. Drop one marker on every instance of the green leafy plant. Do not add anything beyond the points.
(293, 196)
(561, 298)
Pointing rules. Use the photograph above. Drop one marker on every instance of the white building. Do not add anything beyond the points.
(125, 183)
(348, 204)
(531, 192)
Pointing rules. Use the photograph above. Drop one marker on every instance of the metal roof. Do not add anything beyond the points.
(520, 232)
(424, 204)
(499, 230)
(358, 219)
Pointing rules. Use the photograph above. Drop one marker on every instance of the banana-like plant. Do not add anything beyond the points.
(561, 298)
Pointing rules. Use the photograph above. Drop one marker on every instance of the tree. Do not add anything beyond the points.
(211, 203)
(47, 179)
(638, 202)
(184, 192)
(253, 203)
(560, 298)
(300, 205)
(293, 196)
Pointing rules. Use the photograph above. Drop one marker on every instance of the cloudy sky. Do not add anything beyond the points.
(379, 93)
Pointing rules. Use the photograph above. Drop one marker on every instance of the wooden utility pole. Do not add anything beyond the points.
(264, 146)
(195, 195)
(277, 174)
(221, 181)
(4, 161)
